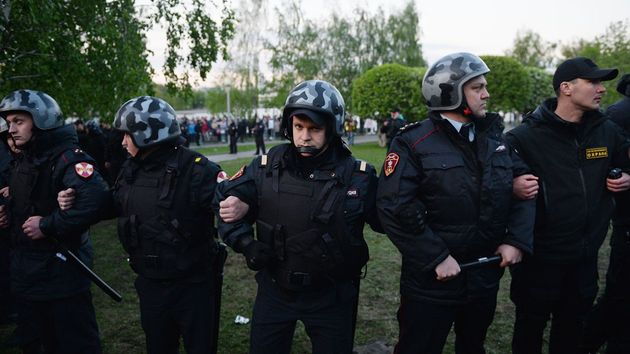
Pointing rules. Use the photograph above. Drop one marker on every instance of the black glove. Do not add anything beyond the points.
(258, 255)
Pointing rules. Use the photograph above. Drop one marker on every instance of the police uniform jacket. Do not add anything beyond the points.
(572, 162)
(50, 164)
(619, 112)
(311, 213)
(439, 194)
(165, 221)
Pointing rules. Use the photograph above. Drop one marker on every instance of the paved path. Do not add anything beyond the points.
(250, 153)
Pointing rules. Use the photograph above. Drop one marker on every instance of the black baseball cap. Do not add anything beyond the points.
(623, 86)
(316, 117)
(581, 68)
(395, 109)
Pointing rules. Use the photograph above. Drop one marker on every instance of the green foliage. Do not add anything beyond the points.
(608, 50)
(195, 36)
(531, 50)
(386, 86)
(89, 55)
(539, 88)
(508, 84)
(340, 49)
(243, 102)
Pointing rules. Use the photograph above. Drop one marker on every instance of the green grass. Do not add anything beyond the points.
(120, 322)
(224, 148)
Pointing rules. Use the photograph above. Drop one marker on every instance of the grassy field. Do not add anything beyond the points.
(120, 322)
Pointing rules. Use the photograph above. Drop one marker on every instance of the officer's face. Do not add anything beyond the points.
(476, 93)
(308, 134)
(128, 144)
(20, 128)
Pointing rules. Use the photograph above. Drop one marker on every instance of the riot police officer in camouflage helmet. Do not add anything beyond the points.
(445, 199)
(162, 198)
(54, 302)
(310, 200)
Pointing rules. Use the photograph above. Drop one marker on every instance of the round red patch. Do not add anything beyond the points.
(84, 169)
(390, 163)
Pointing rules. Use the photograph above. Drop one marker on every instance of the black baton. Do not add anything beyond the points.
(480, 261)
(64, 253)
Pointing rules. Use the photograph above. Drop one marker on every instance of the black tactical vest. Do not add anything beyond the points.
(307, 223)
(34, 186)
(166, 236)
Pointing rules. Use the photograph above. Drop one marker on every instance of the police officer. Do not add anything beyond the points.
(570, 146)
(444, 198)
(53, 297)
(163, 196)
(310, 199)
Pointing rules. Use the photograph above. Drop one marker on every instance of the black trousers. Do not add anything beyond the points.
(564, 292)
(424, 326)
(327, 315)
(233, 147)
(609, 321)
(61, 326)
(170, 309)
(260, 144)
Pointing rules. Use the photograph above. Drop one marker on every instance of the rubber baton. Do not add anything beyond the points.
(480, 261)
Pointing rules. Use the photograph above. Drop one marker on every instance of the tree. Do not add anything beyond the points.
(608, 50)
(508, 84)
(340, 49)
(531, 50)
(384, 87)
(539, 88)
(91, 54)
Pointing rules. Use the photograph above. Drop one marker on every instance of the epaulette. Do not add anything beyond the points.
(360, 166)
(410, 126)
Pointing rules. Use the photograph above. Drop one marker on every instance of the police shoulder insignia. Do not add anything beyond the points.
(390, 163)
(84, 169)
(222, 176)
(410, 126)
(238, 174)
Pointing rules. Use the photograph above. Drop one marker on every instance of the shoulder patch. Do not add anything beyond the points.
(222, 176)
(238, 174)
(84, 170)
(389, 166)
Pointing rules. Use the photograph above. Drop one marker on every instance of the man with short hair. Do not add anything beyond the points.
(53, 297)
(445, 198)
(570, 147)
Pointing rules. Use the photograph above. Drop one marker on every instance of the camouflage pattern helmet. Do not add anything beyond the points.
(443, 82)
(148, 120)
(319, 96)
(3, 125)
(43, 109)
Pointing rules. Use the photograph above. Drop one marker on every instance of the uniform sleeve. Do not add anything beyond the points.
(621, 155)
(401, 212)
(371, 215)
(520, 231)
(520, 166)
(204, 182)
(240, 233)
(92, 195)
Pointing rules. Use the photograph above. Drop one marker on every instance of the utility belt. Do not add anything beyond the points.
(298, 281)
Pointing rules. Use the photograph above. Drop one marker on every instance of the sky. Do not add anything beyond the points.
(478, 26)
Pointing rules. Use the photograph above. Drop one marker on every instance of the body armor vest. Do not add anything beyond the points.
(308, 228)
(34, 186)
(166, 236)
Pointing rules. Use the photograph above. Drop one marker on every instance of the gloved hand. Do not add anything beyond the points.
(258, 255)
